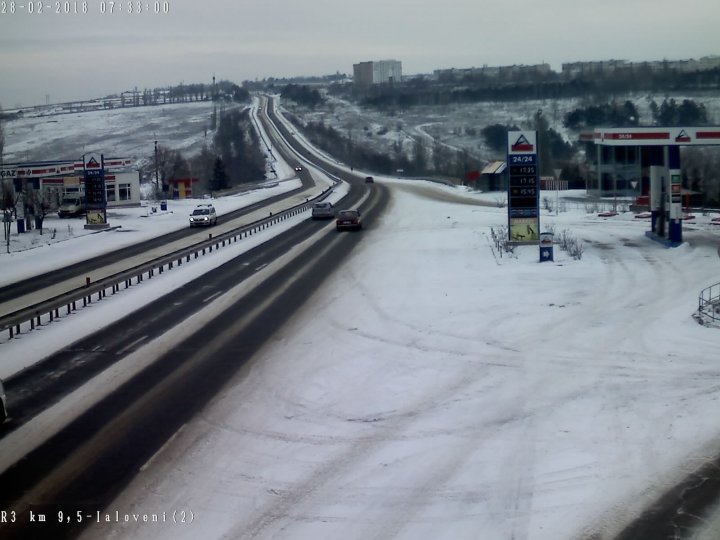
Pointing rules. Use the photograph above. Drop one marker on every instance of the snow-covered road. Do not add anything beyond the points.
(432, 390)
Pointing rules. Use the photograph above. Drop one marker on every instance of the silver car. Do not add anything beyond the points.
(323, 210)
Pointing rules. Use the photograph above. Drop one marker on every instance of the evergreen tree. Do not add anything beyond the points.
(219, 179)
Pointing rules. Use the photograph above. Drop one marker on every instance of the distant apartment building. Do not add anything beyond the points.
(377, 72)
(495, 72)
(574, 69)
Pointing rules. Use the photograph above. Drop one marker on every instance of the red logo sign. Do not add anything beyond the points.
(682, 137)
(522, 145)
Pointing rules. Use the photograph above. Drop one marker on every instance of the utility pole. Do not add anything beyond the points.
(157, 182)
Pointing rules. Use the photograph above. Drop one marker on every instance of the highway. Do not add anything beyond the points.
(87, 458)
(34, 289)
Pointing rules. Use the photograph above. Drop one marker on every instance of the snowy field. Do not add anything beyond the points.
(127, 132)
(435, 390)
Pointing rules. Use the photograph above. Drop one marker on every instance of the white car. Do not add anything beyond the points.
(203, 215)
(3, 406)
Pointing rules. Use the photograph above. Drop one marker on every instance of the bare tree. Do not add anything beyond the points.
(701, 166)
(41, 203)
(8, 206)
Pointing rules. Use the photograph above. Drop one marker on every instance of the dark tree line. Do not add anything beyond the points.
(234, 158)
(419, 160)
(687, 113)
(496, 136)
(607, 114)
(408, 95)
(668, 113)
(183, 93)
(302, 95)
(237, 145)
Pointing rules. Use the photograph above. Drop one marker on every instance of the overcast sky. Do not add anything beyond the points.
(78, 56)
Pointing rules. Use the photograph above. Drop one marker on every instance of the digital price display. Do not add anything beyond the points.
(94, 189)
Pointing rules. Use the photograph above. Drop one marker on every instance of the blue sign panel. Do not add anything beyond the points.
(95, 197)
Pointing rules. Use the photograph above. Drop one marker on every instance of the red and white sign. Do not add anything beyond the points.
(658, 136)
(522, 142)
(44, 169)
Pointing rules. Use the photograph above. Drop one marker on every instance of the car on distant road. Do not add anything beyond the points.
(348, 220)
(203, 215)
(298, 168)
(323, 210)
(369, 180)
(3, 403)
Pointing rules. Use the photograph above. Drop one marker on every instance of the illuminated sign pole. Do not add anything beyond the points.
(95, 198)
(523, 187)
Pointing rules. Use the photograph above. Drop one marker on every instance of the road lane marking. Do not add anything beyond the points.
(212, 296)
(130, 345)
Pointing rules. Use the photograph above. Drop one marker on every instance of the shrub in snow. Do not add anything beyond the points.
(571, 245)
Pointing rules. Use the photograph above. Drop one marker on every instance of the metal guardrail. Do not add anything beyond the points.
(50, 309)
(709, 303)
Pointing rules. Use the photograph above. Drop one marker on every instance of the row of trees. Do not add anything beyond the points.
(181, 93)
(303, 95)
(687, 113)
(416, 159)
(668, 113)
(234, 158)
(606, 114)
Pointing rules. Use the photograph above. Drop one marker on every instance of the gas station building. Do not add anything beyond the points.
(56, 179)
(646, 161)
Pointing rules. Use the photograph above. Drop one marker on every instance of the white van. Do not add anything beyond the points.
(72, 206)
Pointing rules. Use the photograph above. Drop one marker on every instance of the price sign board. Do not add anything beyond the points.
(95, 198)
(523, 187)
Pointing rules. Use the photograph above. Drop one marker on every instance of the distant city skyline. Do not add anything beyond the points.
(75, 56)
